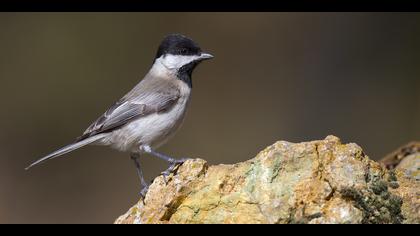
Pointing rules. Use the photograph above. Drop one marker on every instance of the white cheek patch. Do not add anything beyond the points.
(176, 61)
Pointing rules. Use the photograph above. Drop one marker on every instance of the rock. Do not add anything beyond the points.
(393, 159)
(406, 160)
(410, 165)
(311, 182)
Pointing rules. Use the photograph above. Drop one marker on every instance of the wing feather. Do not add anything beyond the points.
(148, 97)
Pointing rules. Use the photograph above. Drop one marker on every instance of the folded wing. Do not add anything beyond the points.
(148, 97)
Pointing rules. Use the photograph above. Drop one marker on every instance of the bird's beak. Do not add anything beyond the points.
(205, 56)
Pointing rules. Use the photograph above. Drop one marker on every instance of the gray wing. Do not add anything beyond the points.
(148, 97)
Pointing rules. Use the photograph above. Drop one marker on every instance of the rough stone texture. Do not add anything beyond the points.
(410, 165)
(406, 160)
(311, 182)
(392, 160)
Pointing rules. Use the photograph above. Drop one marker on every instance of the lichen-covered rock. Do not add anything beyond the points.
(410, 165)
(311, 182)
(406, 161)
(409, 191)
(404, 155)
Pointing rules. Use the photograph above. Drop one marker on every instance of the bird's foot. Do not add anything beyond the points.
(172, 167)
(143, 192)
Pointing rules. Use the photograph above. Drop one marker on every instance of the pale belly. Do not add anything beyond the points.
(153, 130)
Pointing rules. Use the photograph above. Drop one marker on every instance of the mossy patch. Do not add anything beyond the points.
(377, 204)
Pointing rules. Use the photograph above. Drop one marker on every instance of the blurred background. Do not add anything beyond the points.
(275, 76)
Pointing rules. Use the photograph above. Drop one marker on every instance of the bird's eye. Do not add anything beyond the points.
(183, 51)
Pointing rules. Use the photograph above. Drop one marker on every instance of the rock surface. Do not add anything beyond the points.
(406, 159)
(392, 160)
(411, 166)
(321, 181)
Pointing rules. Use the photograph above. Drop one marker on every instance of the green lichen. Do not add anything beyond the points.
(392, 180)
(377, 204)
(379, 187)
(393, 185)
(391, 176)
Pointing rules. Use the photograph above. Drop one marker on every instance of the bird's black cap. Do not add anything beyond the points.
(177, 44)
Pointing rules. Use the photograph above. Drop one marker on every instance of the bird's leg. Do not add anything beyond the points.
(144, 185)
(173, 162)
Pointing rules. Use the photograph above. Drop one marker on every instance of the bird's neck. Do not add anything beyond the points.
(184, 73)
(185, 76)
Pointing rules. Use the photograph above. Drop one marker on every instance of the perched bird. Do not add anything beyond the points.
(151, 113)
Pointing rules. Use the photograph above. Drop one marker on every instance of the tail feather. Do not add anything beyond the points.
(67, 149)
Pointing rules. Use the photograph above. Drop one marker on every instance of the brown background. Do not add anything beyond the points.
(277, 76)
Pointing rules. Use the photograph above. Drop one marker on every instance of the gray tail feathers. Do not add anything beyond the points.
(67, 149)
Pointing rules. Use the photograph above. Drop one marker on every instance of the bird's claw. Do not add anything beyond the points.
(143, 192)
(172, 167)
(168, 172)
(180, 160)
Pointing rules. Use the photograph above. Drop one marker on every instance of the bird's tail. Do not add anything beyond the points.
(67, 149)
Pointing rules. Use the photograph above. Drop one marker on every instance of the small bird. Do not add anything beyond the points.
(151, 113)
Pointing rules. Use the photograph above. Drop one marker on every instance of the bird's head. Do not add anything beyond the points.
(179, 54)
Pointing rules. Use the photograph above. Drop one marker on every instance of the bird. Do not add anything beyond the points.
(151, 113)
